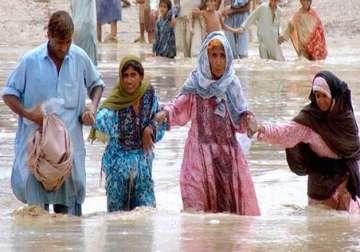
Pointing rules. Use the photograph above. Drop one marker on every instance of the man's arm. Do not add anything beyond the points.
(35, 114)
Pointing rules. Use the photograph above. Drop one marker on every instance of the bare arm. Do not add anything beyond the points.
(228, 11)
(196, 12)
(35, 114)
(228, 28)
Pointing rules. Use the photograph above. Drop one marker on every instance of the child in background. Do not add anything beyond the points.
(164, 44)
(125, 121)
(213, 19)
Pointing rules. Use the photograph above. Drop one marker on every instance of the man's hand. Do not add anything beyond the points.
(88, 116)
(36, 115)
(147, 138)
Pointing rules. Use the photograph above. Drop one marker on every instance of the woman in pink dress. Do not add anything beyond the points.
(306, 33)
(322, 142)
(214, 175)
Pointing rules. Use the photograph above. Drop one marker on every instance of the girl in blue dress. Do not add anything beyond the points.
(165, 44)
(125, 121)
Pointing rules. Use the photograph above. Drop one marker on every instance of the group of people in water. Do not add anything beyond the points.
(321, 142)
(180, 27)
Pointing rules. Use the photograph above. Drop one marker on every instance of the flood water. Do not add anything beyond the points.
(276, 91)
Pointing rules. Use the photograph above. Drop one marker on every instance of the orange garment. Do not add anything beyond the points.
(307, 35)
(50, 155)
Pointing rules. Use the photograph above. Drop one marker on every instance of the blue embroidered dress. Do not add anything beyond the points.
(165, 44)
(126, 165)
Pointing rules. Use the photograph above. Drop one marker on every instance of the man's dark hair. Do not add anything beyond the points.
(135, 65)
(167, 2)
(60, 25)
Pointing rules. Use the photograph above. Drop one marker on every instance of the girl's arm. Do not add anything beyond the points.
(106, 122)
(196, 12)
(158, 128)
(286, 135)
(228, 28)
(229, 10)
(177, 113)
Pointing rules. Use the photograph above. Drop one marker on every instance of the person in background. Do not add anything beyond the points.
(322, 142)
(84, 15)
(235, 13)
(108, 11)
(189, 31)
(147, 20)
(267, 18)
(165, 44)
(54, 69)
(306, 33)
(126, 122)
(213, 19)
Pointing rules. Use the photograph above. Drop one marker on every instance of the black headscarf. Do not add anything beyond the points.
(338, 128)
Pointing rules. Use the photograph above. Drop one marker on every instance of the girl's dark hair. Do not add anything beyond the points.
(137, 66)
(60, 25)
(167, 2)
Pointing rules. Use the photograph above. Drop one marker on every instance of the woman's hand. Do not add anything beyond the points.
(147, 139)
(161, 116)
(252, 123)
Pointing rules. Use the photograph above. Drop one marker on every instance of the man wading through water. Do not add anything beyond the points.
(62, 70)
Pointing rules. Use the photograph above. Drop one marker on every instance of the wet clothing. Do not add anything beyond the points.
(34, 81)
(214, 175)
(267, 31)
(186, 42)
(164, 44)
(307, 35)
(324, 145)
(289, 135)
(128, 168)
(84, 17)
(108, 11)
(238, 42)
(148, 15)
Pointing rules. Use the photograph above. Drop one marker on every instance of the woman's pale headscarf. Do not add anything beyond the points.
(320, 85)
(227, 89)
(119, 98)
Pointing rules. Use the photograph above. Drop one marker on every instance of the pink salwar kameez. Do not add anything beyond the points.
(214, 175)
(288, 135)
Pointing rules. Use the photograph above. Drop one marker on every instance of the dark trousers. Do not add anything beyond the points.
(59, 208)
